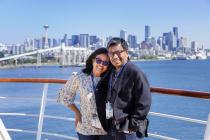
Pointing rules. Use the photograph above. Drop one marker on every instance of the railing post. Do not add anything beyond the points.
(207, 132)
(4, 135)
(42, 110)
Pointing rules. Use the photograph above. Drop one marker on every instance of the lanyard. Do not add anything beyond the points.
(111, 85)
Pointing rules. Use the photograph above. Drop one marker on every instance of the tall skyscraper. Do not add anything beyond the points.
(153, 42)
(75, 40)
(93, 39)
(37, 43)
(160, 42)
(65, 39)
(147, 33)
(123, 34)
(84, 40)
(132, 41)
(172, 42)
(54, 42)
(166, 39)
(175, 31)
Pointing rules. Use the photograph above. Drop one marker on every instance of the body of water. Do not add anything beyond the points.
(189, 75)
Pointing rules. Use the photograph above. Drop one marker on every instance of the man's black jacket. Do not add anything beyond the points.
(132, 99)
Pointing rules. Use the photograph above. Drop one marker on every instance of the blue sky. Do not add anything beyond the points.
(21, 19)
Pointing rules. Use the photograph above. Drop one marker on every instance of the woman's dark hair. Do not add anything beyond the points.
(116, 41)
(89, 62)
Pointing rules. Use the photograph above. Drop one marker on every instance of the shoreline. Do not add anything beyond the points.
(34, 66)
(57, 65)
(143, 60)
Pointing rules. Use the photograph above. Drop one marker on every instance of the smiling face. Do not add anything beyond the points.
(100, 64)
(118, 56)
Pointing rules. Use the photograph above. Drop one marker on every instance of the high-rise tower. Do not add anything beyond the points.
(175, 31)
(147, 33)
(46, 45)
(123, 34)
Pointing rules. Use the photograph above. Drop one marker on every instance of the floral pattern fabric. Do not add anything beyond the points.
(82, 84)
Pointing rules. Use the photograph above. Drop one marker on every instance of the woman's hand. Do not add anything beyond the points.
(77, 118)
(77, 113)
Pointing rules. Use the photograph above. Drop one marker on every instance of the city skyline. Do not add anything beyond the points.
(21, 20)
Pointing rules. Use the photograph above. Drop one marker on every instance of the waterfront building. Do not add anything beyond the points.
(21, 49)
(194, 46)
(182, 44)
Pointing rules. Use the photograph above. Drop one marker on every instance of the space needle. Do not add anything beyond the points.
(46, 45)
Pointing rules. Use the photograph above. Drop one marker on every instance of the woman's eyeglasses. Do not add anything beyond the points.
(104, 63)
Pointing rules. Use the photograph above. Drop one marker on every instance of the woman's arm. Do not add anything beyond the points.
(67, 96)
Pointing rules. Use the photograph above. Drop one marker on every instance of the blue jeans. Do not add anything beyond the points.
(94, 137)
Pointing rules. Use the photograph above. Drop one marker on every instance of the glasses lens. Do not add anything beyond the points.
(104, 63)
(98, 61)
(118, 53)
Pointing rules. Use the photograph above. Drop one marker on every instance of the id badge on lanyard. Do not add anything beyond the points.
(109, 110)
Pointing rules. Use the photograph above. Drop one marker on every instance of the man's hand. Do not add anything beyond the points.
(130, 130)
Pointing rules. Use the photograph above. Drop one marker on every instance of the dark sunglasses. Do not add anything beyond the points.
(104, 63)
(118, 53)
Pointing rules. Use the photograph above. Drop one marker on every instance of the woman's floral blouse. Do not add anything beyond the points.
(82, 84)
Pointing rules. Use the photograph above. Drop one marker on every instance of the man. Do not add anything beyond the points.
(128, 98)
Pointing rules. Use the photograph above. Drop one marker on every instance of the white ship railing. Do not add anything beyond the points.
(42, 115)
(4, 135)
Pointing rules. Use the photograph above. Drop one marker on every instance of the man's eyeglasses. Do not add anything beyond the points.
(118, 53)
(104, 63)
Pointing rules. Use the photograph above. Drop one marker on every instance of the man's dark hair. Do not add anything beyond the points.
(89, 62)
(116, 41)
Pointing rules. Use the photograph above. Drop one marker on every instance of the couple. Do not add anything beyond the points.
(114, 97)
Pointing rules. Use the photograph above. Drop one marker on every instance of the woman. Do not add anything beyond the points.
(87, 122)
